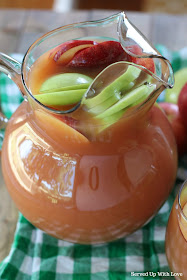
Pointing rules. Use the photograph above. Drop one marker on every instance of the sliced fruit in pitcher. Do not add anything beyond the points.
(59, 129)
(63, 89)
(66, 51)
(65, 97)
(129, 99)
(114, 91)
(88, 53)
(65, 81)
(112, 97)
(110, 120)
(103, 53)
(147, 62)
(124, 92)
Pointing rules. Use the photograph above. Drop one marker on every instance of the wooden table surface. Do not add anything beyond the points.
(20, 28)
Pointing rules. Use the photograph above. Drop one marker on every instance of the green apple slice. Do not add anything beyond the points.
(112, 115)
(63, 89)
(125, 82)
(65, 81)
(129, 99)
(110, 120)
(115, 98)
(101, 107)
(72, 87)
(61, 97)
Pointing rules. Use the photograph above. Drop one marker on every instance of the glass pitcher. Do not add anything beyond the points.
(76, 178)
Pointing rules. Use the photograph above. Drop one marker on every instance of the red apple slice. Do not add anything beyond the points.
(146, 62)
(59, 130)
(65, 52)
(68, 55)
(103, 53)
(69, 121)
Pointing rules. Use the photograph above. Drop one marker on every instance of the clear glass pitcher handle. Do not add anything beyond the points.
(12, 68)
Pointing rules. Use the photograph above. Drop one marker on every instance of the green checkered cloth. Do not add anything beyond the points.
(35, 255)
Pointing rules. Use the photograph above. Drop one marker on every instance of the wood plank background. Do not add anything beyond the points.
(20, 28)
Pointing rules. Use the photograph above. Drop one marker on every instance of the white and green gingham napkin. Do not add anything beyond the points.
(36, 256)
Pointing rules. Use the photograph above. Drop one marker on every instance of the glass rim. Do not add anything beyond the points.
(179, 200)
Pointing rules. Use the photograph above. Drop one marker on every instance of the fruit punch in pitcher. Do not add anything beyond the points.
(91, 157)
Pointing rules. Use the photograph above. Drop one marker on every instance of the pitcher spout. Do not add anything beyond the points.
(138, 47)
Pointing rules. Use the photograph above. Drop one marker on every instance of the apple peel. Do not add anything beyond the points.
(103, 53)
(146, 62)
(57, 52)
(67, 56)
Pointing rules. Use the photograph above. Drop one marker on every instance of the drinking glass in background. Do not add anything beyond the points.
(176, 236)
